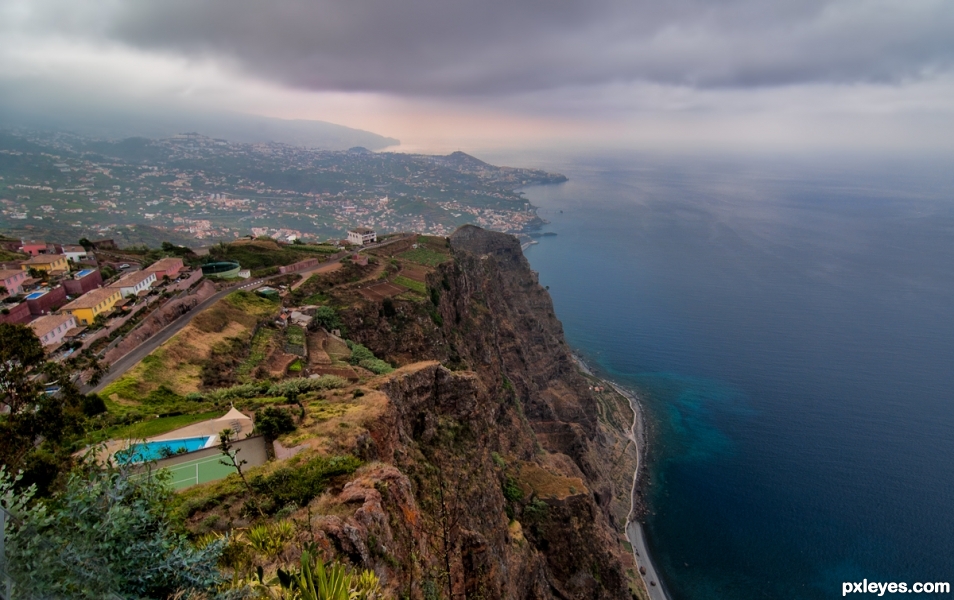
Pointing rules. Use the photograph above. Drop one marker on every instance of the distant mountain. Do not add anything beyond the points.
(121, 122)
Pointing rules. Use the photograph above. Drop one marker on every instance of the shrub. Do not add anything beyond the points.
(107, 535)
(299, 484)
(327, 317)
(512, 491)
(271, 422)
(376, 366)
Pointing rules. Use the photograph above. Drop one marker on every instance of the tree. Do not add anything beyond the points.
(271, 422)
(86, 244)
(3, 290)
(107, 535)
(39, 427)
(327, 317)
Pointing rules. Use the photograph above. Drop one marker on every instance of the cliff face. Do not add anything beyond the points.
(495, 471)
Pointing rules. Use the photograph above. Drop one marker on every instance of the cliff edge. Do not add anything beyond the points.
(491, 466)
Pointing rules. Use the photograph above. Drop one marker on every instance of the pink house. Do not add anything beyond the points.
(37, 248)
(13, 280)
(166, 267)
(51, 329)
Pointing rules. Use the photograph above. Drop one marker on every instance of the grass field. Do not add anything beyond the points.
(424, 256)
(417, 286)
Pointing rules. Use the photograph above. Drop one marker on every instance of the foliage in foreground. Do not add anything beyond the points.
(108, 534)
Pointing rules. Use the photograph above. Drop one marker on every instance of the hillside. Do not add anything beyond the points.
(447, 440)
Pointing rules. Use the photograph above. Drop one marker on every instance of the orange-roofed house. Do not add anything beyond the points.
(12, 280)
(52, 263)
(166, 267)
(92, 304)
(51, 329)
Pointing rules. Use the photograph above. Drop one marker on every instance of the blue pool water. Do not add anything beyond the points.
(35, 295)
(791, 329)
(155, 450)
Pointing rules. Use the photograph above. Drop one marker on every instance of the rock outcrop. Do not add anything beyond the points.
(494, 470)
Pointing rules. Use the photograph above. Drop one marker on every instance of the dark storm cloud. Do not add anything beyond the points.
(488, 47)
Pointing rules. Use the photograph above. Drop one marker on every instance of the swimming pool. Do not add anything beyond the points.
(155, 450)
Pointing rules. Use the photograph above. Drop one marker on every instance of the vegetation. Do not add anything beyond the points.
(417, 286)
(40, 430)
(298, 484)
(366, 359)
(425, 256)
(108, 534)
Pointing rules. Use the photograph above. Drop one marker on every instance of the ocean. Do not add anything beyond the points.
(789, 325)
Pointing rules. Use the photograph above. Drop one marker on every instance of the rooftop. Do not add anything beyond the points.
(164, 263)
(91, 298)
(48, 323)
(44, 259)
(362, 230)
(8, 273)
(133, 279)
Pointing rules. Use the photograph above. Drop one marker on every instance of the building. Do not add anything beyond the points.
(83, 281)
(52, 263)
(359, 236)
(12, 280)
(133, 283)
(74, 253)
(15, 313)
(302, 265)
(37, 248)
(45, 300)
(92, 304)
(51, 329)
(166, 267)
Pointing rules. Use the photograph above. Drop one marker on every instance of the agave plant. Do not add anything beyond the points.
(269, 541)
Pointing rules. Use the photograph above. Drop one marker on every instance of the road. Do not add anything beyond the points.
(118, 368)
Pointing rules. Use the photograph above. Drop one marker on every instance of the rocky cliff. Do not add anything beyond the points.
(491, 467)
(497, 461)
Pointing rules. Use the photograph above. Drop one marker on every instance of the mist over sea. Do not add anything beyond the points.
(790, 325)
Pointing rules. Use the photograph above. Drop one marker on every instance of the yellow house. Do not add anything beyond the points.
(47, 262)
(92, 303)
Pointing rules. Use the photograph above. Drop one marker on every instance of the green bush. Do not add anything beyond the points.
(299, 484)
(108, 534)
(327, 317)
(359, 353)
(512, 491)
(272, 422)
(376, 366)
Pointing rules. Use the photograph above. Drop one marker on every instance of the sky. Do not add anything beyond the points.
(806, 75)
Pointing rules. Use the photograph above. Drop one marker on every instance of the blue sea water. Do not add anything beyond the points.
(790, 326)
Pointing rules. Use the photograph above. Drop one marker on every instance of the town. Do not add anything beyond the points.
(193, 189)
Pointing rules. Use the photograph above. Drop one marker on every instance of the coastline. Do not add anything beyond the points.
(634, 529)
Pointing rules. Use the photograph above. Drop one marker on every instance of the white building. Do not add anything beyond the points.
(359, 236)
(132, 284)
(75, 253)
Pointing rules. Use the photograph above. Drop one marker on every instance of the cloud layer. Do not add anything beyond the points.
(489, 47)
(440, 73)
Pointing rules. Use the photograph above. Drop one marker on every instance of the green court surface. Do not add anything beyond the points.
(200, 470)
